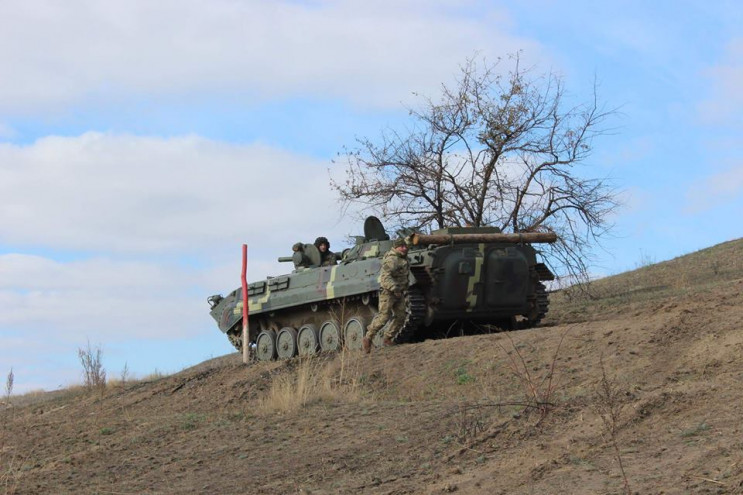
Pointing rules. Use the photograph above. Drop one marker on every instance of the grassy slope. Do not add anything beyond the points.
(459, 414)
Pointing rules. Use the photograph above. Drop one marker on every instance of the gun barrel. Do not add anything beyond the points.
(285, 259)
(517, 238)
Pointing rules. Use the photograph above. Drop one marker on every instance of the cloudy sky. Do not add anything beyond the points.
(141, 143)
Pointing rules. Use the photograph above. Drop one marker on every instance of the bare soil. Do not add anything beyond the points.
(504, 413)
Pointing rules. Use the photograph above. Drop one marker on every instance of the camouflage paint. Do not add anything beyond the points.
(475, 279)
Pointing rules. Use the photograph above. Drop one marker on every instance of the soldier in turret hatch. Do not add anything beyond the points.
(394, 287)
(327, 257)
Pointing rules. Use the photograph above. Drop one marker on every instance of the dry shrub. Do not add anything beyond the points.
(538, 388)
(8, 391)
(9, 386)
(94, 376)
(608, 406)
(469, 422)
(125, 375)
(314, 379)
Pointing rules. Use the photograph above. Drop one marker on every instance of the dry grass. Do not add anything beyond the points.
(151, 377)
(40, 396)
(34, 397)
(650, 282)
(313, 379)
(292, 391)
(316, 378)
(427, 408)
(11, 473)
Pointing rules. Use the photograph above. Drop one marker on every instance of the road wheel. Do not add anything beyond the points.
(265, 345)
(286, 343)
(307, 340)
(353, 333)
(330, 336)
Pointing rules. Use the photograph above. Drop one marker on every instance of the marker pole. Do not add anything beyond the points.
(244, 279)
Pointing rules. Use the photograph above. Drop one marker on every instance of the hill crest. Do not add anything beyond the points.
(517, 412)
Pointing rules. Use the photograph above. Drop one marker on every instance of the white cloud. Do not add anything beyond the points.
(725, 102)
(129, 194)
(51, 308)
(105, 298)
(34, 358)
(30, 272)
(153, 226)
(371, 53)
(720, 188)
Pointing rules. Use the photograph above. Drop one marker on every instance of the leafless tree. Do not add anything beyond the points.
(499, 148)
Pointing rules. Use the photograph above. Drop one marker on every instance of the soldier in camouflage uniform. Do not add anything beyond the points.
(327, 257)
(394, 286)
(300, 259)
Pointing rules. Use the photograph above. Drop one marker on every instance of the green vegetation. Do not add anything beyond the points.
(463, 377)
(191, 421)
(697, 430)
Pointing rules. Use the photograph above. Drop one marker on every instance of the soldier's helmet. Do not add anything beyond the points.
(322, 240)
(399, 243)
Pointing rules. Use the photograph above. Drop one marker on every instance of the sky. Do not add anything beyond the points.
(142, 143)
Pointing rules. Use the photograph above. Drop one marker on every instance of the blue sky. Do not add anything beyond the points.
(141, 143)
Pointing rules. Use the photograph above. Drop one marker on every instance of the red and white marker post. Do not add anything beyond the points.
(244, 279)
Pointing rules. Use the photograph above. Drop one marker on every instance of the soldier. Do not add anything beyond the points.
(394, 286)
(327, 257)
(300, 259)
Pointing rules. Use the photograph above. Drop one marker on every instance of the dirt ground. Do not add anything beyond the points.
(638, 390)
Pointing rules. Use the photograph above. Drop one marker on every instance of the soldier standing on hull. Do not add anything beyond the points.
(327, 257)
(394, 286)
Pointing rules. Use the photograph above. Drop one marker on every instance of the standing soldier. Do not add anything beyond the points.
(394, 286)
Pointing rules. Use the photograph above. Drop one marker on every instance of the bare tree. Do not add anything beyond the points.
(499, 148)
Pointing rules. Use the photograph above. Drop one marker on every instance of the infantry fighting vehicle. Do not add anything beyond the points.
(475, 276)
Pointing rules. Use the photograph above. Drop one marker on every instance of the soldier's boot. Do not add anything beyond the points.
(387, 342)
(366, 344)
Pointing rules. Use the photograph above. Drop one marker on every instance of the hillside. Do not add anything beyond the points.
(647, 372)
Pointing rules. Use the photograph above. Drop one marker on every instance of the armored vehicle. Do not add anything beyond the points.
(474, 276)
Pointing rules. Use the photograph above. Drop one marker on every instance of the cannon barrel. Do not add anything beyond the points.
(285, 259)
(517, 238)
